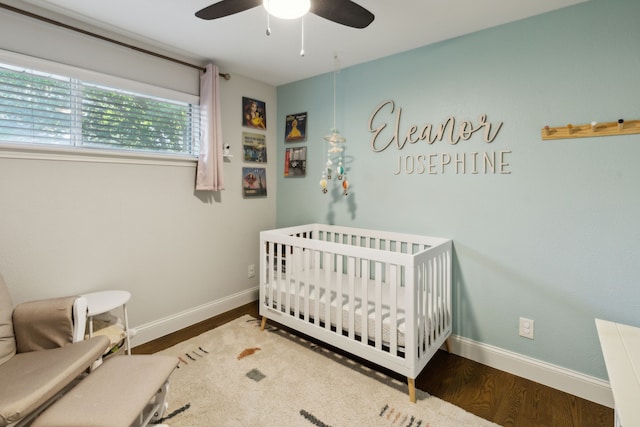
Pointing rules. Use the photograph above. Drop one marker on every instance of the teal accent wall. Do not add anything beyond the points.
(556, 236)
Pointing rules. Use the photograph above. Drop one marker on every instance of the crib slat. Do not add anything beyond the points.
(358, 242)
(440, 283)
(274, 282)
(327, 280)
(422, 314)
(423, 309)
(433, 298)
(278, 281)
(269, 274)
(296, 281)
(447, 286)
(393, 309)
(430, 320)
(427, 294)
(441, 291)
(378, 306)
(316, 281)
(300, 282)
(438, 301)
(351, 262)
(306, 296)
(339, 292)
(364, 318)
(290, 275)
(412, 352)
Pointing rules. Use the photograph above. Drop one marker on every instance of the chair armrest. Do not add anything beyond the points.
(80, 310)
(45, 324)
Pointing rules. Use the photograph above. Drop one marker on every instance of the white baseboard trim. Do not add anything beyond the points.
(581, 385)
(161, 327)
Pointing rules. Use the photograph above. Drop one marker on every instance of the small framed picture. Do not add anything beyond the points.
(295, 161)
(254, 146)
(296, 127)
(254, 113)
(254, 182)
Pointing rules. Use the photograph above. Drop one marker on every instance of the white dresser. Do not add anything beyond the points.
(621, 349)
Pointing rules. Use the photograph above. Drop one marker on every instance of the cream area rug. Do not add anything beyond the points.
(237, 375)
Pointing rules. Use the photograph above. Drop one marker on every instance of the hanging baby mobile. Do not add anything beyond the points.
(334, 167)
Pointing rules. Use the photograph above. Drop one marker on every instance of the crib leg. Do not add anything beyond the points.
(263, 323)
(447, 345)
(412, 389)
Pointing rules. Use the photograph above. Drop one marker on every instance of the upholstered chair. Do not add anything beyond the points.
(42, 353)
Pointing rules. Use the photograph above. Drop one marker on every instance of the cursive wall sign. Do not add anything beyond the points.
(449, 131)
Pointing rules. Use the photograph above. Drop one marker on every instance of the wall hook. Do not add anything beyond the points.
(619, 127)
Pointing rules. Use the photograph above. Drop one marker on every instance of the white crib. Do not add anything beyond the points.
(382, 296)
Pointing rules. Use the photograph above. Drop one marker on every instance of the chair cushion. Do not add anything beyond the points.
(114, 395)
(43, 324)
(7, 338)
(37, 376)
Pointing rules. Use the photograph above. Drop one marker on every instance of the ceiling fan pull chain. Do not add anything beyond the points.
(268, 21)
(302, 37)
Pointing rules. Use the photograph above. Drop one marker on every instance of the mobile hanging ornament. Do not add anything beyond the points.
(335, 149)
(334, 153)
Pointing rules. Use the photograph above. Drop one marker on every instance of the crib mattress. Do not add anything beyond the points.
(295, 293)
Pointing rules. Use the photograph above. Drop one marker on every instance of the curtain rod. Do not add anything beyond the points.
(226, 76)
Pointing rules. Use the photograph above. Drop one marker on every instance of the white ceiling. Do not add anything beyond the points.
(239, 44)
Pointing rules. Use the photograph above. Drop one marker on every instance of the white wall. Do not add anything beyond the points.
(71, 224)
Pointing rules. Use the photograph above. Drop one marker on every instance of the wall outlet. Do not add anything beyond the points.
(526, 328)
(251, 271)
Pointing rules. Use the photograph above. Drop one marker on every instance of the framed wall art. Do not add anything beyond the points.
(295, 161)
(254, 113)
(296, 127)
(254, 182)
(254, 146)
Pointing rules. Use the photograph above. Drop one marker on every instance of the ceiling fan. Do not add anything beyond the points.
(343, 12)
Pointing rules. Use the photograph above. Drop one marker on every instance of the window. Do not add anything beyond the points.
(43, 108)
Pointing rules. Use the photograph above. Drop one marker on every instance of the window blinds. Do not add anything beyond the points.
(43, 108)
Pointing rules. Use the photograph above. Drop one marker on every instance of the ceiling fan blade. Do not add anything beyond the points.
(226, 7)
(343, 12)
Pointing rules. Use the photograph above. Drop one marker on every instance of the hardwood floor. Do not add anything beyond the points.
(497, 396)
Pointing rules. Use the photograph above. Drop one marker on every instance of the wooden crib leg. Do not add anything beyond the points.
(412, 389)
(447, 345)
(263, 324)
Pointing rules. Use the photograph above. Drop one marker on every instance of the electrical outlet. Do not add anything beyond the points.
(526, 328)
(251, 271)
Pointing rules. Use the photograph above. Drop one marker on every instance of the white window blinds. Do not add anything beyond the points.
(43, 108)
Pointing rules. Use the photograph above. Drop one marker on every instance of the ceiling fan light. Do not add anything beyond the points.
(287, 9)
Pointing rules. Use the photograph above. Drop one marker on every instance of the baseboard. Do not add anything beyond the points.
(581, 385)
(161, 327)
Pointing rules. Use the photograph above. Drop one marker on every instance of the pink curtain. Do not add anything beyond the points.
(209, 175)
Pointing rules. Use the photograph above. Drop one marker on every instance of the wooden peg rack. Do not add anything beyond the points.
(589, 130)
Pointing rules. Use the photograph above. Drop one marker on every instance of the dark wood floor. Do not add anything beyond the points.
(497, 396)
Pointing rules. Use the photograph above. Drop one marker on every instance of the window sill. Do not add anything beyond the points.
(70, 154)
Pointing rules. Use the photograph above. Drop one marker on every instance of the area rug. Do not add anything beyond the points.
(237, 375)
